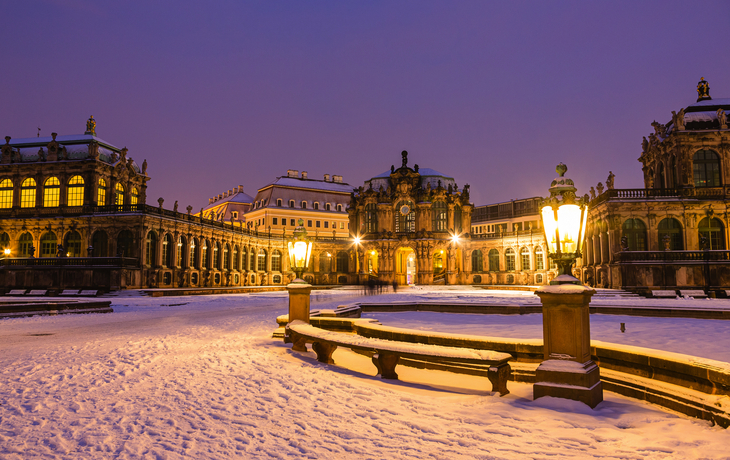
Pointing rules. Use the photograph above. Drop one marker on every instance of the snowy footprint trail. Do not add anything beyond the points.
(204, 380)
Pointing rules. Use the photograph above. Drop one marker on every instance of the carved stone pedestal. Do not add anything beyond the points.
(298, 307)
(567, 371)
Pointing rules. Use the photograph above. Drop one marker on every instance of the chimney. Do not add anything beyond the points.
(337, 179)
(225, 194)
(326, 177)
(230, 192)
(240, 189)
(304, 174)
(292, 173)
(210, 200)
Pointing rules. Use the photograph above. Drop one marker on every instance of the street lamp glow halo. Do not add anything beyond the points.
(300, 251)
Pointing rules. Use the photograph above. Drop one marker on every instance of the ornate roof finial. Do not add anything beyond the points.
(703, 90)
(91, 126)
(404, 154)
(561, 169)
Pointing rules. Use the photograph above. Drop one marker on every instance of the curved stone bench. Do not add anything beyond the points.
(386, 353)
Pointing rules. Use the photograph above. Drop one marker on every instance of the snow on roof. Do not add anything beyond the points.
(711, 102)
(311, 184)
(237, 197)
(421, 171)
(64, 140)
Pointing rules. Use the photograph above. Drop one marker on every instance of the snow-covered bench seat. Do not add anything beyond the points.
(16, 292)
(667, 294)
(386, 353)
(696, 294)
(89, 293)
(69, 292)
(38, 292)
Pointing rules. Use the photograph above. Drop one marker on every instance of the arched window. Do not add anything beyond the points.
(180, 258)
(661, 180)
(226, 260)
(325, 262)
(72, 244)
(439, 212)
(252, 260)
(477, 263)
(278, 202)
(673, 229)
(101, 193)
(216, 256)
(276, 261)
(327, 207)
(291, 203)
(205, 255)
(194, 260)
(120, 194)
(539, 259)
(339, 208)
(316, 205)
(4, 241)
(509, 259)
(100, 243)
(244, 258)
(304, 205)
(714, 232)
(6, 194)
(167, 250)
(262, 260)
(342, 262)
(405, 217)
(635, 231)
(51, 192)
(524, 259)
(706, 165)
(75, 191)
(673, 172)
(493, 260)
(125, 244)
(134, 199)
(438, 262)
(457, 219)
(151, 249)
(27, 193)
(235, 257)
(371, 218)
(25, 243)
(49, 244)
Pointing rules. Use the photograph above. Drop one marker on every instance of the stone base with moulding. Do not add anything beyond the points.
(299, 295)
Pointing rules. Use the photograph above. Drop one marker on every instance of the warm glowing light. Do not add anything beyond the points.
(7, 251)
(455, 239)
(372, 252)
(442, 251)
(568, 226)
(357, 240)
(300, 252)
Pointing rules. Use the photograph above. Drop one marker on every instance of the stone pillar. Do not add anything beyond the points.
(298, 306)
(567, 370)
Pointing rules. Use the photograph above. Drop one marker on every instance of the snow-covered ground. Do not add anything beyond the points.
(200, 377)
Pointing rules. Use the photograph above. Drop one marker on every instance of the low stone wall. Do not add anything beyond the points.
(54, 307)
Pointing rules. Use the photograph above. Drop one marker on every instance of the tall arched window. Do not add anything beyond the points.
(477, 262)
(252, 260)
(276, 261)
(216, 256)
(673, 229)
(509, 259)
(194, 253)
(524, 259)
(342, 262)
(226, 260)
(706, 165)
(204, 259)
(125, 244)
(438, 262)
(405, 217)
(75, 191)
(134, 199)
(167, 250)
(635, 232)
(714, 232)
(438, 211)
(457, 219)
(235, 257)
(25, 243)
(49, 244)
(180, 251)
(101, 193)
(51, 192)
(325, 262)
(539, 259)
(316, 205)
(100, 243)
(4, 241)
(244, 258)
(261, 260)
(661, 180)
(371, 218)
(27, 193)
(151, 249)
(72, 244)
(6, 194)
(493, 260)
(120, 194)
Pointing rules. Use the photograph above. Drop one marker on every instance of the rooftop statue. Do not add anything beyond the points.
(91, 126)
(703, 90)
(722, 118)
(404, 154)
(609, 181)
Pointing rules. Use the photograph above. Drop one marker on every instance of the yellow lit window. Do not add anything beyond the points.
(27, 193)
(101, 193)
(135, 196)
(120, 194)
(6, 194)
(51, 192)
(75, 191)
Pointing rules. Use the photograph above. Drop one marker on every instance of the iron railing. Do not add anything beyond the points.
(69, 262)
(649, 194)
(672, 256)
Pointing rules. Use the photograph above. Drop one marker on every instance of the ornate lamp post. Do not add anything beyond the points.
(300, 250)
(567, 370)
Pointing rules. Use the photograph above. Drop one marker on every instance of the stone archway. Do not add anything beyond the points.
(405, 266)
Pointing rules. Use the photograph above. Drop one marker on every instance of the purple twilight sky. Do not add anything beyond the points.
(217, 94)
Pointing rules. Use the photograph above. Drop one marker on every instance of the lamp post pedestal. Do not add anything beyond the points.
(298, 305)
(567, 370)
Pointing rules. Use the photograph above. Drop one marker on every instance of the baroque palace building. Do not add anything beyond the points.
(673, 231)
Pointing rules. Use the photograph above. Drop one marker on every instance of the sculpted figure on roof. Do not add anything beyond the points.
(722, 118)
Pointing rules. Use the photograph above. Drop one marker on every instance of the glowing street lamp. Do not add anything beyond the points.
(6, 252)
(564, 221)
(300, 251)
